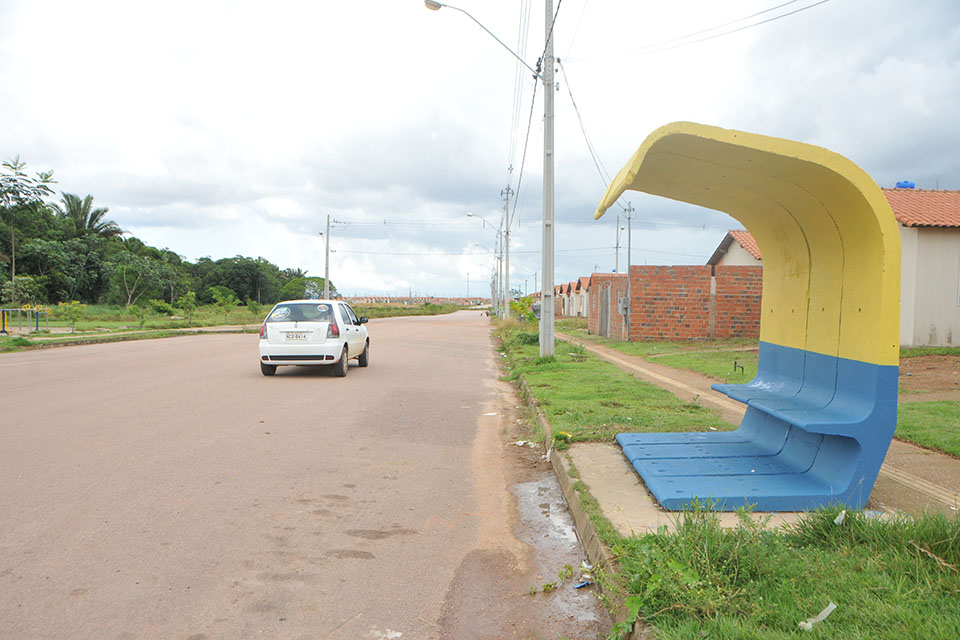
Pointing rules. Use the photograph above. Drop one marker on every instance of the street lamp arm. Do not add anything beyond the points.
(435, 6)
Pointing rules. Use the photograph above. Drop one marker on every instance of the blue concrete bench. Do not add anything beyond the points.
(815, 432)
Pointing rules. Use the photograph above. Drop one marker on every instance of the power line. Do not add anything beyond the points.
(714, 28)
(602, 170)
(486, 253)
(523, 160)
(649, 49)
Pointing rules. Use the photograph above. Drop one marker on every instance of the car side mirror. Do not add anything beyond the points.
(364, 320)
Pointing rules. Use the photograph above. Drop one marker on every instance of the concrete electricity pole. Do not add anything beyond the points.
(628, 212)
(546, 294)
(506, 246)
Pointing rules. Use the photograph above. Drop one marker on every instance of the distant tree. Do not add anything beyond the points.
(211, 294)
(65, 268)
(225, 302)
(71, 312)
(306, 288)
(188, 303)
(255, 308)
(81, 218)
(20, 194)
(21, 289)
(131, 276)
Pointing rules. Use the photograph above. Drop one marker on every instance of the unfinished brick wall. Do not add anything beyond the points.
(681, 302)
(669, 303)
(689, 302)
(737, 311)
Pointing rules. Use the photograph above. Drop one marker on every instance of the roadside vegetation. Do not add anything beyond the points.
(76, 323)
(890, 578)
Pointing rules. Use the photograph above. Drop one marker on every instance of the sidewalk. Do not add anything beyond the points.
(911, 480)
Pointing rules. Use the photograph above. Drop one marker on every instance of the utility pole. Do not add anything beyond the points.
(629, 214)
(616, 267)
(546, 295)
(506, 244)
(326, 263)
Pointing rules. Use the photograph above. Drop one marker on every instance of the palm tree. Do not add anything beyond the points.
(85, 218)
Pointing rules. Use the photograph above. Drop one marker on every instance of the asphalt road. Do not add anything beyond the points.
(166, 489)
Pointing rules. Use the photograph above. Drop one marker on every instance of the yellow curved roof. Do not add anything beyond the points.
(830, 243)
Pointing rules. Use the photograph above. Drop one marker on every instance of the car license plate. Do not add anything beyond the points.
(296, 335)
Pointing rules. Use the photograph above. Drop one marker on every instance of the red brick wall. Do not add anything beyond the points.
(669, 303)
(738, 301)
(673, 303)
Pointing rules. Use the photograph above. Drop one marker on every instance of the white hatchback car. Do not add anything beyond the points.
(314, 332)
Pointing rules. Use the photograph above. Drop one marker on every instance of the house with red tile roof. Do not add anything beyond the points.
(930, 263)
(581, 298)
(738, 248)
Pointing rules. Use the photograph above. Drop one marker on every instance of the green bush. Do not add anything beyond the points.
(524, 337)
(162, 307)
(216, 292)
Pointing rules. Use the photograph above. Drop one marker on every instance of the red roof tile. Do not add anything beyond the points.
(745, 238)
(925, 208)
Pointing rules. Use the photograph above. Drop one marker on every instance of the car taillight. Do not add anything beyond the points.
(333, 330)
(263, 331)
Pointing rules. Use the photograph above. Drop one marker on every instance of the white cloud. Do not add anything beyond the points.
(234, 127)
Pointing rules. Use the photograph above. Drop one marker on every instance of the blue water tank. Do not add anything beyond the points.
(905, 184)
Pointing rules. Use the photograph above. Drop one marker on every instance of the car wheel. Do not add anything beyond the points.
(268, 369)
(364, 358)
(340, 369)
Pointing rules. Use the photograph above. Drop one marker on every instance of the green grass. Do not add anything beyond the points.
(392, 311)
(715, 364)
(593, 400)
(890, 579)
(935, 425)
(13, 343)
(909, 352)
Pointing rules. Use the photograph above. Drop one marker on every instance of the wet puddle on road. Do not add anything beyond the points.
(547, 526)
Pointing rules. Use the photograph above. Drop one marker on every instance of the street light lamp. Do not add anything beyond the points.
(547, 293)
(495, 284)
(503, 281)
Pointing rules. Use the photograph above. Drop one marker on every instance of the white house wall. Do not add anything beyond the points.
(737, 256)
(936, 320)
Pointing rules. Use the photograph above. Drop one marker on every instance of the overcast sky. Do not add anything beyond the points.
(218, 128)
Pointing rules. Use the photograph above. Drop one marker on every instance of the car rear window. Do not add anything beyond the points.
(301, 312)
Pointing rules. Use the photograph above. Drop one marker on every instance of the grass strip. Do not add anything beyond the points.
(593, 400)
(735, 367)
(930, 424)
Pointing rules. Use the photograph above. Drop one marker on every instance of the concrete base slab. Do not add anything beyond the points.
(624, 499)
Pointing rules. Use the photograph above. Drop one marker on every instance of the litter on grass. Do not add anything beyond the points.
(807, 625)
(839, 519)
